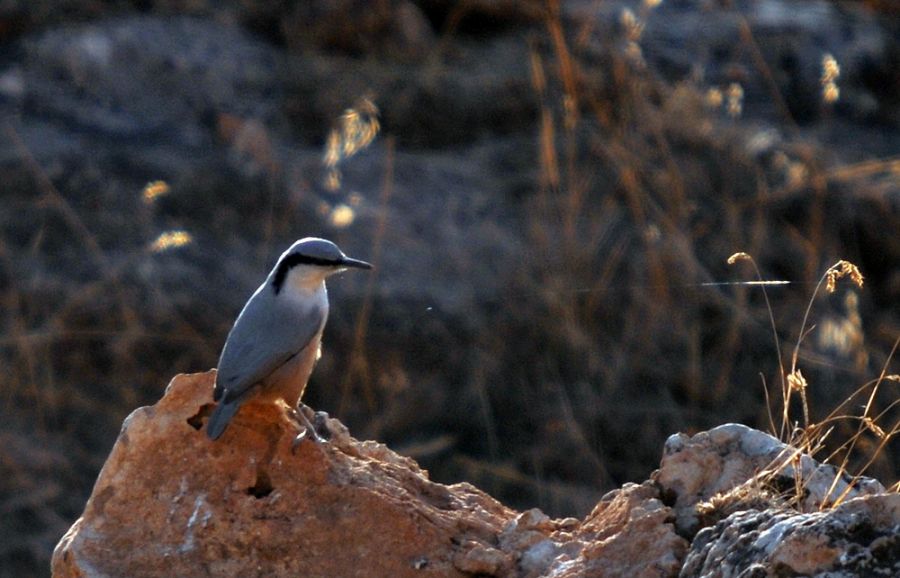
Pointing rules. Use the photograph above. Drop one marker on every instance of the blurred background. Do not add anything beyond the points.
(548, 189)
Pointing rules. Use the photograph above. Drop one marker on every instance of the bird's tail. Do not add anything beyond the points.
(220, 418)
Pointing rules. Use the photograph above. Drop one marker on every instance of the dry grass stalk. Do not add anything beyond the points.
(811, 437)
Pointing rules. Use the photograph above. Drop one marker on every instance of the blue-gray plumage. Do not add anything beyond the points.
(274, 344)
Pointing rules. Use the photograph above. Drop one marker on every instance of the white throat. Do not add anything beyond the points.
(306, 280)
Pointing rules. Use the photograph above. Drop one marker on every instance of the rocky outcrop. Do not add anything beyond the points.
(739, 487)
(861, 537)
(734, 466)
(263, 502)
(253, 504)
(169, 502)
(230, 103)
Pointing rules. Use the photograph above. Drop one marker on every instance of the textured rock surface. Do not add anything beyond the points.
(629, 533)
(253, 505)
(860, 537)
(169, 502)
(696, 469)
(249, 505)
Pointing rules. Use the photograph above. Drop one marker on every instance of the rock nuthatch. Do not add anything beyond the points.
(274, 344)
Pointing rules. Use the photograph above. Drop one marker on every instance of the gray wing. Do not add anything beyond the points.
(265, 335)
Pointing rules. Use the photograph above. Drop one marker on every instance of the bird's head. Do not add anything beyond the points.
(308, 262)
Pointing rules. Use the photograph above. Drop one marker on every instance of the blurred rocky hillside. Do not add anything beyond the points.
(551, 187)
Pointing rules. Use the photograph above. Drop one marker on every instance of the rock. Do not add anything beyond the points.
(169, 502)
(714, 463)
(861, 537)
(256, 503)
(179, 504)
(629, 533)
(461, 296)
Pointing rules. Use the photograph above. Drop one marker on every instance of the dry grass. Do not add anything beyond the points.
(640, 154)
(617, 327)
(810, 436)
(643, 190)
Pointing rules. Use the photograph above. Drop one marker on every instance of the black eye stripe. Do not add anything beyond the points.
(292, 261)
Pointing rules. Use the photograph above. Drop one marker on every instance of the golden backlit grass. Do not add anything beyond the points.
(622, 121)
(809, 435)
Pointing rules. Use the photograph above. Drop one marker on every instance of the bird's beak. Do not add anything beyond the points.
(355, 263)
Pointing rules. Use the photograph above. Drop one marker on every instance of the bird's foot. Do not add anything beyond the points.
(311, 430)
(320, 424)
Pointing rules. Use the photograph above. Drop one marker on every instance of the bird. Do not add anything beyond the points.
(275, 342)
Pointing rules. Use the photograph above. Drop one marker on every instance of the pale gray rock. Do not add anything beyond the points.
(861, 537)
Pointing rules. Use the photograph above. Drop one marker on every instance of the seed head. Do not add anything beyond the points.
(739, 257)
(796, 381)
(840, 270)
(170, 240)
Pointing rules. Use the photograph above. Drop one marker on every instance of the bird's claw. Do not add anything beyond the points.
(309, 428)
(320, 425)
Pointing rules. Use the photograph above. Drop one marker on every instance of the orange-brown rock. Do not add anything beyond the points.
(169, 502)
(629, 533)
